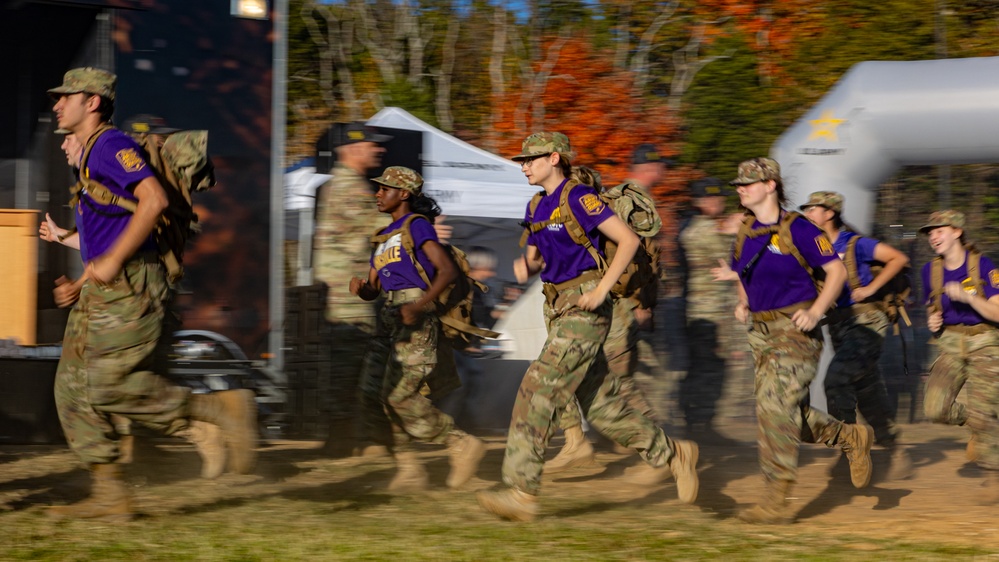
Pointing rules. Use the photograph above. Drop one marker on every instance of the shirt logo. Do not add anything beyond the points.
(389, 251)
(969, 286)
(592, 204)
(130, 160)
(994, 278)
(554, 218)
(824, 245)
(774, 245)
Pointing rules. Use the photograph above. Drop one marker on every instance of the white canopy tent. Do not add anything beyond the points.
(483, 197)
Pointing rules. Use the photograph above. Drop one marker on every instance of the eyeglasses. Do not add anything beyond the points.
(530, 159)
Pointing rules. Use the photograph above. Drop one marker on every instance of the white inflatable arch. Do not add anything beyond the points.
(884, 115)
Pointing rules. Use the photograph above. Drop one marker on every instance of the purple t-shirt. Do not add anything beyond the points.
(394, 265)
(959, 312)
(117, 163)
(777, 280)
(564, 259)
(864, 257)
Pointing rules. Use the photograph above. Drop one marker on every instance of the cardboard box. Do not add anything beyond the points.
(19, 275)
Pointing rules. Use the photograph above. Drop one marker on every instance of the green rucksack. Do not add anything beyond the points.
(892, 297)
(454, 304)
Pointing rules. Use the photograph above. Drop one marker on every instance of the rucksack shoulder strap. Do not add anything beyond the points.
(528, 225)
(787, 241)
(745, 231)
(850, 260)
(575, 229)
(936, 284)
(974, 260)
(84, 179)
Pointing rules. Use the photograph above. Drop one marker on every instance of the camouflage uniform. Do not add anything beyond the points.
(346, 213)
(853, 378)
(570, 364)
(709, 305)
(108, 360)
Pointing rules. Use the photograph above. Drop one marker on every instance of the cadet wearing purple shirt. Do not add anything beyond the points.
(954, 312)
(864, 256)
(777, 280)
(117, 163)
(394, 266)
(564, 259)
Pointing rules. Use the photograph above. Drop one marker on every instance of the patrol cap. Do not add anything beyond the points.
(828, 199)
(647, 154)
(87, 79)
(757, 169)
(358, 131)
(401, 177)
(540, 144)
(950, 217)
(709, 187)
(148, 124)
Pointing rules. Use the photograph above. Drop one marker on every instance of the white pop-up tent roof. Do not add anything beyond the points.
(466, 181)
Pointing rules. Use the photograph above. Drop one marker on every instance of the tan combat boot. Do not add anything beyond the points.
(410, 476)
(901, 462)
(465, 452)
(577, 451)
(645, 474)
(235, 411)
(509, 503)
(855, 440)
(683, 464)
(209, 441)
(774, 508)
(109, 498)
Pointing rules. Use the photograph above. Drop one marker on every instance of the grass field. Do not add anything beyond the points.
(301, 506)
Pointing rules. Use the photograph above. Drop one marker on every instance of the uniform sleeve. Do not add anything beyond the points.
(346, 218)
(990, 277)
(812, 243)
(588, 208)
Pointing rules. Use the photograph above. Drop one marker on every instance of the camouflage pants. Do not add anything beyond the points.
(786, 362)
(411, 369)
(948, 374)
(701, 389)
(853, 380)
(621, 352)
(571, 364)
(108, 360)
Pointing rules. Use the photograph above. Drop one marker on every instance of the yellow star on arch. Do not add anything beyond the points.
(825, 126)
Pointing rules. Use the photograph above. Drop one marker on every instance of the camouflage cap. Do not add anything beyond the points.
(87, 79)
(401, 177)
(828, 199)
(708, 187)
(543, 143)
(949, 217)
(757, 169)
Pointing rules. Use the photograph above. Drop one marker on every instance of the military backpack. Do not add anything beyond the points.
(182, 166)
(636, 208)
(454, 304)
